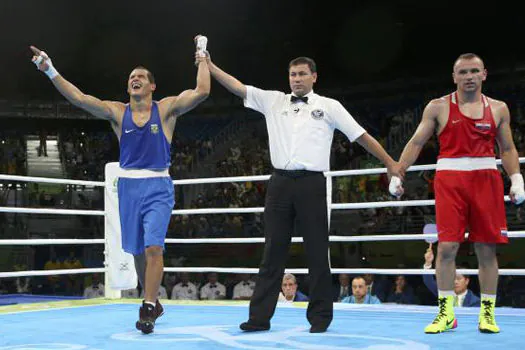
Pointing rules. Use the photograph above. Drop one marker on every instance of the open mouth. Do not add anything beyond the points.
(136, 85)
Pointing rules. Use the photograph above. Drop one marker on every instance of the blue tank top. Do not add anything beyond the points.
(144, 147)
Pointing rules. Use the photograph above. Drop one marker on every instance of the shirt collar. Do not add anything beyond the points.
(311, 95)
(462, 295)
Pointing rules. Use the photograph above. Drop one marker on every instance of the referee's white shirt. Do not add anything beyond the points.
(213, 291)
(243, 289)
(300, 134)
(184, 291)
(95, 291)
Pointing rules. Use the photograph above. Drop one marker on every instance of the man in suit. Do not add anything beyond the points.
(289, 291)
(377, 287)
(343, 288)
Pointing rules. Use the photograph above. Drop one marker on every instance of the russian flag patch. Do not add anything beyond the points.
(483, 126)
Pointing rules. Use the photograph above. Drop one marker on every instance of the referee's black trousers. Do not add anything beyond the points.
(294, 197)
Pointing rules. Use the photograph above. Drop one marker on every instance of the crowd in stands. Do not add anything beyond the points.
(84, 154)
(12, 152)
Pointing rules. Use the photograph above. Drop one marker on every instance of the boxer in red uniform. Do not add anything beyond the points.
(468, 185)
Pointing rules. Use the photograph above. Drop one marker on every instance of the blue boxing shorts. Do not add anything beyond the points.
(145, 206)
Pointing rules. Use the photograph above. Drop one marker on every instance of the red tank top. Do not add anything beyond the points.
(467, 137)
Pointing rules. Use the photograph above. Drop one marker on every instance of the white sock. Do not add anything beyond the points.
(446, 293)
(488, 296)
(149, 302)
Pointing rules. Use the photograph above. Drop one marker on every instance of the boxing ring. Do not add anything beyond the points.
(109, 323)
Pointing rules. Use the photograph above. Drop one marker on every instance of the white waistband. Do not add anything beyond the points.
(466, 163)
(143, 173)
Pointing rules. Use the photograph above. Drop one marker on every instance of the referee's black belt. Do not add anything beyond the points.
(296, 173)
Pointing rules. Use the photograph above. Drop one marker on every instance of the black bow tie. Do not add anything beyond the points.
(185, 285)
(245, 283)
(213, 286)
(294, 99)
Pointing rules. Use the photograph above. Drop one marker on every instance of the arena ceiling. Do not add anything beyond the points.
(96, 43)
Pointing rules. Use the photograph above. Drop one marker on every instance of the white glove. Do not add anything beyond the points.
(517, 189)
(51, 72)
(396, 187)
(202, 41)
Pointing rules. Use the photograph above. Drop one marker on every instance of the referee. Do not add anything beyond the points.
(300, 128)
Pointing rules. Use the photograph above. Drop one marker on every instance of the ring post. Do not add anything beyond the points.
(120, 268)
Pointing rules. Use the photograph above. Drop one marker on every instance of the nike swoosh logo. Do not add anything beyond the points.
(455, 121)
(128, 131)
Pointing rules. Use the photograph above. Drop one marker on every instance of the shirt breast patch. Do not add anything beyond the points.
(317, 114)
(154, 128)
(483, 126)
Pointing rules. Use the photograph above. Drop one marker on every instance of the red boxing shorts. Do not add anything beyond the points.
(470, 200)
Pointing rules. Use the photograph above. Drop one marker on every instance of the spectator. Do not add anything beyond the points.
(96, 289)
(42, 148)
(428, 176)
(343, 288)
(213, 290)
(401, 293)
(22, 284)
(377, 287)
(360, 293)
(54, 281)
(244, 289)
(72, 281)
(170, 279)
(184, 290)
(289, 292)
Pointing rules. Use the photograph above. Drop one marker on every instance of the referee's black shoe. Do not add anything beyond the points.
(317, 328)
(254, 327)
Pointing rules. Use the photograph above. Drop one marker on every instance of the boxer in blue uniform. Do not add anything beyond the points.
(146, 197)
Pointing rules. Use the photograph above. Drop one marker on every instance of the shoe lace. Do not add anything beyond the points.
(487, 311)
(442, 304)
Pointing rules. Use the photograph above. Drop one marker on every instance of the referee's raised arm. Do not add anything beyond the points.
(229, 82)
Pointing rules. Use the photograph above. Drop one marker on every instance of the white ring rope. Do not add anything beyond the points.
(51, 272)
(384, 204)
(222, 179)
(334, 206)
(367, 238)
(217, 211)
(51, 180)
(337, 173)
(376, 171)
(358, 271)
(212, 180)
(298, 271)
(51, 211)
(46, 241)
